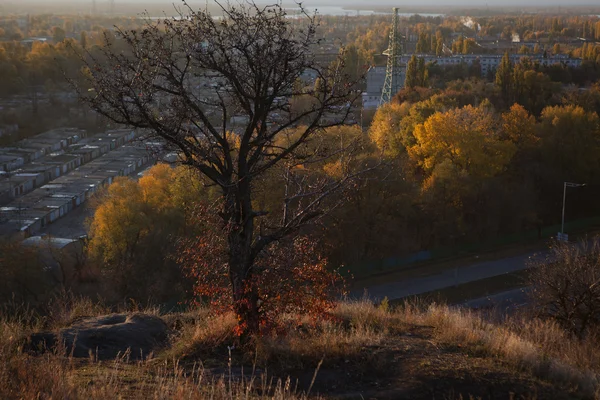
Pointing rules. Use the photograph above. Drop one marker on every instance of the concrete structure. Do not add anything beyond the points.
(29, 213)
(375, 80)
(24, 177)
(28, 150)
(60, 257)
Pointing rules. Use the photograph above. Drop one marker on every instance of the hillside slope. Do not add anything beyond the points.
(362, 352)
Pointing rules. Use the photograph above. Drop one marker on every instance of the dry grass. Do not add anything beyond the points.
(52, 376)
(199, 334)
(62, 378)
(354, 337)
(536, 346)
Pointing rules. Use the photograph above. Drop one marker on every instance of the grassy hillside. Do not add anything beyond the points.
(363, 351)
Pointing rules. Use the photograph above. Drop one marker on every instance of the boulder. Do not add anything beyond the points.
(106, 337)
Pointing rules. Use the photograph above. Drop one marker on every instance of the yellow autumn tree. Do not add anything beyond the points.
(393, 127)
(519, 127)
(464, 138)
(461, 154)
(134, 228)
(385, 128)
(118, 221)
(338, 149)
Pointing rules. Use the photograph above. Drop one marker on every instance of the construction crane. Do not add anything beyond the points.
(392, 83)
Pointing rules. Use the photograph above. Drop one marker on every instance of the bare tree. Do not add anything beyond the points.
(220, 91)
(566, 286)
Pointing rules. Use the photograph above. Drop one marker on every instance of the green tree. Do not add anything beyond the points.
(422, 73)
(504, 78)
(412, 73)
(434, 44)
(351, 59)
(424, 42)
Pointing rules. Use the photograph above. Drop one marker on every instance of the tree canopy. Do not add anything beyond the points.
(185, 79)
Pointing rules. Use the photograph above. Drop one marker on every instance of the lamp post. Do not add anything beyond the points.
(562, 227)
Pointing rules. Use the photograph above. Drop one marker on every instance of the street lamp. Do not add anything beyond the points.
(562, 235)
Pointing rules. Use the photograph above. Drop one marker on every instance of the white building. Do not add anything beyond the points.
(489, 63)
(375, 81)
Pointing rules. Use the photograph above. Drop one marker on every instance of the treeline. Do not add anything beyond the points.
(450, 167)
(366, 38)
(42, 66)
(37, 68)
(453, 166)
(473, 162)
(16, 28)
(539, 79)
(540, 26)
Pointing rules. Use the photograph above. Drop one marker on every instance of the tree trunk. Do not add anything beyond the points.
(245, 301)
(241, 226)
(245, 297)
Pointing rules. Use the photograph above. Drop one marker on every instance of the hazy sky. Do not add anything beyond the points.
(354, 3)
(406, 6)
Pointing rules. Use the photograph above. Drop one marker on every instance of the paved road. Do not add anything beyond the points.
(452, 277)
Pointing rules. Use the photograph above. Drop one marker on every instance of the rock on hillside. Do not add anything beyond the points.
(107, 336)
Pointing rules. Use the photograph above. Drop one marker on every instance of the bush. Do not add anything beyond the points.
(566, 286)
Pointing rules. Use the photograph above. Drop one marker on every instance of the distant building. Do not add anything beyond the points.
(44, 177)
(60, 257)
(489, 63)
(375, 80)
(30, 41)
(31, 212)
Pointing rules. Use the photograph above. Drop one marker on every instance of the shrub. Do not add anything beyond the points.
(566, 286)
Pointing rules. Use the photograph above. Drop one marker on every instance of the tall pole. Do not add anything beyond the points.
(391, 85)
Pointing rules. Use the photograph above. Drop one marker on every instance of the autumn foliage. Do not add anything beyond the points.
(133, 230)
(289, 276)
